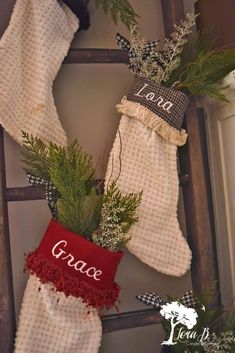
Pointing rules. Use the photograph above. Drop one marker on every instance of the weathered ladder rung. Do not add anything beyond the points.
(25, 193)
(28, 193)
(131, 319)
(96, 56)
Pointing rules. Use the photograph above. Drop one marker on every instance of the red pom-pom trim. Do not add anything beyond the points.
(76, 266)
(46, 271)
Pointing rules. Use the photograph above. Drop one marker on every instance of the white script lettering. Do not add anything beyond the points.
(79, 265)
(151, 96)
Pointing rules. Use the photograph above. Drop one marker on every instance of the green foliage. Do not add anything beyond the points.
(201, 68)
(78, 206)
(35, 156)
(72, 174)
(117, 216)
(170, 58)
(186, 64)
(222, 338)
(222, 343)
(119, 10)
(228, 322)
(219, 64)
(157, 65)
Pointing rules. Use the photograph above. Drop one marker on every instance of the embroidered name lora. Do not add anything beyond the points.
(151, 96)
(59, 252)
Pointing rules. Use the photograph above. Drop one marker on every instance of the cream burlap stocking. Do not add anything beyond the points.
(52, 322)
(71, 280)
(144, 157)
(31, 52)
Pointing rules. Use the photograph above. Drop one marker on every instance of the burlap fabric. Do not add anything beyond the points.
(144, 157)
(31, 52)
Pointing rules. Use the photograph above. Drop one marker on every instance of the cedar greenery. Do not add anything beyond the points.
(202, 69)
(119, 10)
(117, 216)
(169, 59)
(190, 65)
(35, 156)
(78, 206)
(157, 65)
(72, 173)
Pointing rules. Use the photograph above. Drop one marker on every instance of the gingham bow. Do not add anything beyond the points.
(155, 300)
(51, 193)
(149, 48)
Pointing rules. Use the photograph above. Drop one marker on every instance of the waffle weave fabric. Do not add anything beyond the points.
(149, 163)
(31, 52)
(51, 322)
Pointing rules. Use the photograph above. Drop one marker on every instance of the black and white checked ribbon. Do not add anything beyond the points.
(51, 193)
(149, 49)
(188, 300)
(155, 300)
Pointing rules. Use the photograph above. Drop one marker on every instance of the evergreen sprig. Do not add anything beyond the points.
(35, 156)
(170, 57)
(119, 10)
(202, 69)
(72, 174)
(222, 343)
(78, 206)
(158, 65)
(188, 64)
(117, 216)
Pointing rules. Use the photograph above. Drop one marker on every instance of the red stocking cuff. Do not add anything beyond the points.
(76, 266)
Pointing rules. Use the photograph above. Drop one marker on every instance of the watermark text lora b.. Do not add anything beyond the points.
(184, 336)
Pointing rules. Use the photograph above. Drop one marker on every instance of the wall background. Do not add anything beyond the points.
(85, 96)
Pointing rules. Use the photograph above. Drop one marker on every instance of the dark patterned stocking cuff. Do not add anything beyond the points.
(158, 107)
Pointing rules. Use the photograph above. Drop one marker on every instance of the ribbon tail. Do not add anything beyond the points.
(150, 299)
(123, 42)
(188, 300)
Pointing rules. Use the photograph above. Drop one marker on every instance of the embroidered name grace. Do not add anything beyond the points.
(59, 252)
(151, 96)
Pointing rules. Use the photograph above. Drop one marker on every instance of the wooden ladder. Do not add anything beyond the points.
(194, 179)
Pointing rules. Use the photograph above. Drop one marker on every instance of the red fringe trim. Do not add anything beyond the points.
(46, 271)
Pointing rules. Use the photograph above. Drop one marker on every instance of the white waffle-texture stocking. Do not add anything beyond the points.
(144, 157)
(52, 323)
(31, 52)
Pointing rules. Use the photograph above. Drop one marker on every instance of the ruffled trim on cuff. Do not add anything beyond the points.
(148, 118)
(61, 281)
